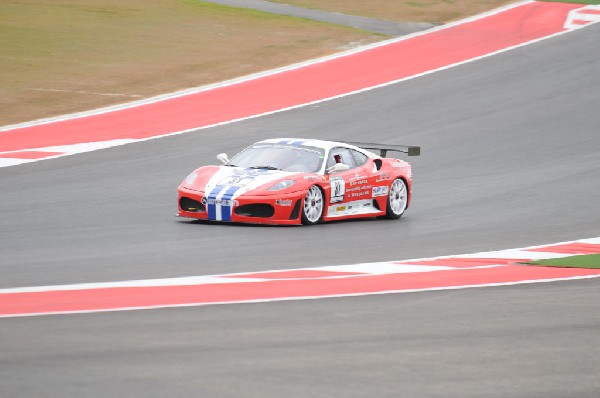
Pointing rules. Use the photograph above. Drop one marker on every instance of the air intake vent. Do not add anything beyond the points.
(191, 205)
(376, 205)
(261, 210)
(296, 211)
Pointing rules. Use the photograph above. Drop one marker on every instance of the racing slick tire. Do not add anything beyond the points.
(312, 206)
(397, 199)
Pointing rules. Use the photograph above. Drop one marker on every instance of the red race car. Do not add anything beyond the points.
(300, 181)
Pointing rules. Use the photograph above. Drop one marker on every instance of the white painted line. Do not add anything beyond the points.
(7, 162)
(76, 148)
(517, 254)
(593, 241)
(183, 281)
(384, 268)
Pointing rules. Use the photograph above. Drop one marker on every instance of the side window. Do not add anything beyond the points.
(359, 157)
(340, 155)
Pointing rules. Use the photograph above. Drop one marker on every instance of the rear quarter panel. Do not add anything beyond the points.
(398, 168)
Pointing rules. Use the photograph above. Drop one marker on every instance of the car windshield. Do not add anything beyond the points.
(280, 157)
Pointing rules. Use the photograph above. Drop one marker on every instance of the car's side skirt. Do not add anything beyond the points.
(357, 207)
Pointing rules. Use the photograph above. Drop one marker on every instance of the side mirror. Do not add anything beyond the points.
(223, 157)
(338, 167)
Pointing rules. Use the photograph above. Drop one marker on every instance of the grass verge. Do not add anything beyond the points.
(63, 56)
(591, 261)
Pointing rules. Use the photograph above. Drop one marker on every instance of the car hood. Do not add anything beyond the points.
(235, 181)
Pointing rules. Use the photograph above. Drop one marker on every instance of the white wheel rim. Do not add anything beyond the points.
(313, 204)
(398, 197)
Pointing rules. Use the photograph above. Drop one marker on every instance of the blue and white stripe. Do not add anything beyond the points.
(229, 183)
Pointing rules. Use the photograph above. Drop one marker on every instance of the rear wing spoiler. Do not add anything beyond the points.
(384, 148)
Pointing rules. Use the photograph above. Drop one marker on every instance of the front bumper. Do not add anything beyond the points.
(281, 209)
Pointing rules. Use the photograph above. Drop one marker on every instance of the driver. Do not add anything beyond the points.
(305, 161)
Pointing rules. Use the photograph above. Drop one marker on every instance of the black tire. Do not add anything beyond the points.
(397, 199)
(313, 206)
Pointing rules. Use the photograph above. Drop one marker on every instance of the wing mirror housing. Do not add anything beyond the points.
(338, 167)
(223, 158)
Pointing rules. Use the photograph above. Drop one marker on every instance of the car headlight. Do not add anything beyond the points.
(189, 180)
(282, 185)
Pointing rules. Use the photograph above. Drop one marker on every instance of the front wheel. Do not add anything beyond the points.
(312, 209)
(397, 199)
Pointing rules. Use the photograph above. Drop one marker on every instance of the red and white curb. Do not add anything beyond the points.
(496, 268)
(307, 83)
(581, 17)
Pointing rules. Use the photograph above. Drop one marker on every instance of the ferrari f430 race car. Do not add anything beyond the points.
(300, 181)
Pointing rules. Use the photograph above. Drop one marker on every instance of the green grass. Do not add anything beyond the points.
(591, 261)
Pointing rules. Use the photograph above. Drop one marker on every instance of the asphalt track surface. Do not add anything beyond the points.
(370, 24)
(510, 158)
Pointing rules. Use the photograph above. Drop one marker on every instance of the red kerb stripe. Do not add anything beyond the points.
(107, 299)
(29, 155)
(570, 248)
(589, 11)
(580, 22)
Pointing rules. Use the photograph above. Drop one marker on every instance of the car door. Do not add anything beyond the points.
(350, 190)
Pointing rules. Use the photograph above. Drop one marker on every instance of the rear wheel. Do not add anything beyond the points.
(397, 199)
(312, 209)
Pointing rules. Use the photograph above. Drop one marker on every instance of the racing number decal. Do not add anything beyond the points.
(338, 188)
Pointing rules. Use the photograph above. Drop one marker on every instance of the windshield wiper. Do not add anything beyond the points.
(265, 167)
(230, 165)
